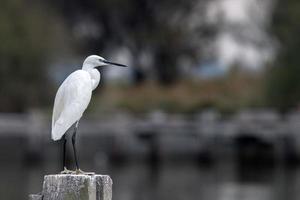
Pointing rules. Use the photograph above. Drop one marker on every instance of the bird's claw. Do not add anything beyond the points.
(66, 171)
(79, 171)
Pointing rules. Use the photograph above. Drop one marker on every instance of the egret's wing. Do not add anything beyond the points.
(58, 105)
(71, 100)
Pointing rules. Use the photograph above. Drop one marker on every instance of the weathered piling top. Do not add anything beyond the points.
(75, 187)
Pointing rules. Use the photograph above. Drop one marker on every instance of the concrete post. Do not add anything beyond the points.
(75, 187)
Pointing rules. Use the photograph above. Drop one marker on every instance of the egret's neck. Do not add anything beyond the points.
(94, 73)
(87, 66)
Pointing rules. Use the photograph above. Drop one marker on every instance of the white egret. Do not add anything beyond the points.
(71, 100)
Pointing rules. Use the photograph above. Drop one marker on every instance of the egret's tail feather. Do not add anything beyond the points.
(55, 138)
(59, 130)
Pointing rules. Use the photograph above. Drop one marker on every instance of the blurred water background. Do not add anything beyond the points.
(208, 109)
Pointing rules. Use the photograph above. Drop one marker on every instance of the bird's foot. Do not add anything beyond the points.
(66, 171)
(79, 171)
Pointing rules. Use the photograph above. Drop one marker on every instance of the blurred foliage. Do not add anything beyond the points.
(226, 94)
(162, 30)
(283, 81)
(27, 32)
(169, 35)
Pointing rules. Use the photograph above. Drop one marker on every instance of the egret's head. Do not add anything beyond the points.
(97, 61)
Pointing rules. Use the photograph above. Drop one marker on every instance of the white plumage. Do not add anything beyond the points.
(74, 95)
(71, 100)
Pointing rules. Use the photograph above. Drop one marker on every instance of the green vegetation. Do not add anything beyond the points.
(226, 94)
(283, 80)
(31, 33)
(27, 33)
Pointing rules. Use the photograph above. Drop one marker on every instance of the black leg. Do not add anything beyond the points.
(64, 151)
(74, 145)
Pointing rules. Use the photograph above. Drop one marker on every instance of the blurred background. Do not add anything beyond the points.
(209, 108)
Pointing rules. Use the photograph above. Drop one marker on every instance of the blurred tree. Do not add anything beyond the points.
(167, 31)
(26, 35)
(283, 82)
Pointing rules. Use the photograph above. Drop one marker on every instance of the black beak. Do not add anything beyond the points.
(113, 63)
